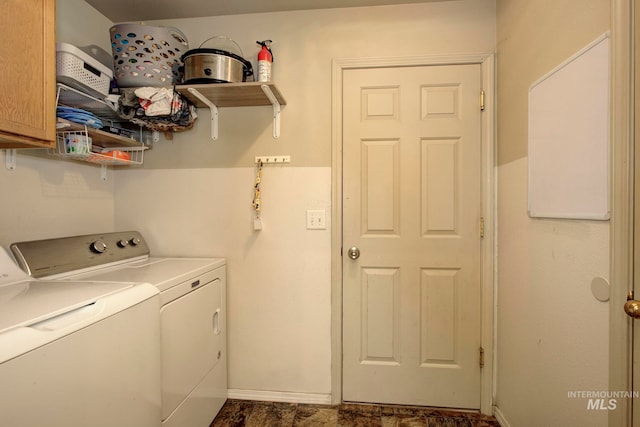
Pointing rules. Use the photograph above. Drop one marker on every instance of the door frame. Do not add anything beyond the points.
(622, 196)
(488, 250)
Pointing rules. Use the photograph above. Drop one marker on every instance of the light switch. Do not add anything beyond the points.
(316, 219)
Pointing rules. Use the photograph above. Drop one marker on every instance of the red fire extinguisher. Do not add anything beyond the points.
(265, 58)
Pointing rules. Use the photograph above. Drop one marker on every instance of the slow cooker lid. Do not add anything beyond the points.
(211, 51)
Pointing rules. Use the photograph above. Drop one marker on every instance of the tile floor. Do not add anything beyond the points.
(240, 413)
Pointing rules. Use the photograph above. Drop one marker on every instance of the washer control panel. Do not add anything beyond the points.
(42, 258)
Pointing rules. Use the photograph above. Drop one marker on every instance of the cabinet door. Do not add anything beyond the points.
(27, 73)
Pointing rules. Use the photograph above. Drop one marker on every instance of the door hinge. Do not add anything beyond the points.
(481, 227)
(482, 100)
(481, 357)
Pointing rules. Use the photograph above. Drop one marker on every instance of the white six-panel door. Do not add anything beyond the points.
(412, 208)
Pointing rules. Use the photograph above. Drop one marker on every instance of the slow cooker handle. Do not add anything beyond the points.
(248, 69)
(224, 38)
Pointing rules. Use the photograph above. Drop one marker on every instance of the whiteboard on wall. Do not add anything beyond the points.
(568, 156)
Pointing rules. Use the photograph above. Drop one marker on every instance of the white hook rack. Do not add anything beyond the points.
(272, 160)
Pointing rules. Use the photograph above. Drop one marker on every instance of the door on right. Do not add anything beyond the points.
(412, 231)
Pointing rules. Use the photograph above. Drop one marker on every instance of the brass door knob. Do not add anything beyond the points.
(632, 308)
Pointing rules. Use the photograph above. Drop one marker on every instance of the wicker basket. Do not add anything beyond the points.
(144, 55)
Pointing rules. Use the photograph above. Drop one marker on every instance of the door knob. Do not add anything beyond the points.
(632, 308)
(353, 253)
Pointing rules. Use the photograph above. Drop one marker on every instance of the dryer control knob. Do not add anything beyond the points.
(123, 243)
(135, 241)
(98, 246)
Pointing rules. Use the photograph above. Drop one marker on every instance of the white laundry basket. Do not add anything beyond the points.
(144, 55)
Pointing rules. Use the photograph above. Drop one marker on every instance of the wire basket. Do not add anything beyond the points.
(77, 145)
(144, 55)
(73, 144)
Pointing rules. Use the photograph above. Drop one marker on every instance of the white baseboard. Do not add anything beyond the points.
(500, 417)
(280, 396)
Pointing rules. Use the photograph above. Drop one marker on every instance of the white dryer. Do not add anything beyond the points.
(192, 311)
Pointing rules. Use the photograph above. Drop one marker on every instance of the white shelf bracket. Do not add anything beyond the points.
(10, 159)
(276, 110)
(103, 172)
(212, 107)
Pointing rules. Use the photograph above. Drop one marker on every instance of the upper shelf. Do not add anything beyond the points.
(246, 94)
(214, 95)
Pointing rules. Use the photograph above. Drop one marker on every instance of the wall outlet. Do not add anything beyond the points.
(316, 219)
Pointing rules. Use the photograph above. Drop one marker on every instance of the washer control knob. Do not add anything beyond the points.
(135, 241)
(123, 243)
(98, 246)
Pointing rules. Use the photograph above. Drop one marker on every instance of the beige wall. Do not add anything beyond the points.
(533, 38)
(45, 198)
(80, 24)
(552, 333)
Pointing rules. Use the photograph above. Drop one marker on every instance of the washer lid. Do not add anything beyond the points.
(29, 302)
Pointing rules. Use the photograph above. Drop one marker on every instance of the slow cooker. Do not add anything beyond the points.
(215, 65)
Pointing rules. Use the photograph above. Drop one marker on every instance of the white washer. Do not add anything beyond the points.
(192, 313)
(77, 353)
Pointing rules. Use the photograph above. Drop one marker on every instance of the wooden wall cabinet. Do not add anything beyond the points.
(27, 74)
